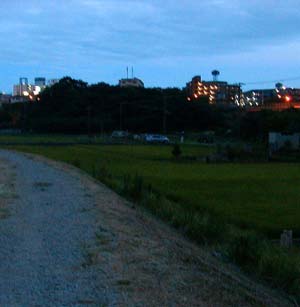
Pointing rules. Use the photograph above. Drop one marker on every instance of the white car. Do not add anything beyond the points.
(156, 138)
(119, 134)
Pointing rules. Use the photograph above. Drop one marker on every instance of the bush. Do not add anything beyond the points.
(176, 152)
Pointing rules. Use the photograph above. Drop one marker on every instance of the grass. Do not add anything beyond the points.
(258, 196)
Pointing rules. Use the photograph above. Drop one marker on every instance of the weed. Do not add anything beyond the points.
(76, 163)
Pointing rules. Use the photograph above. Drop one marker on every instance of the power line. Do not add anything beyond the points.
(273, 81)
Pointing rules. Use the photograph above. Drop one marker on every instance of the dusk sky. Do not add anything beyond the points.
(167, 42)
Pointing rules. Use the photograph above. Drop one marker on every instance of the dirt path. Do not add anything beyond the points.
(66, 240)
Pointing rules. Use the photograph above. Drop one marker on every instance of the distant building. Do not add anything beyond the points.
(40, 81)
(20, 89)
(4, 98)
(259, 97)
(51, 82)
(131, 82)
(217, 92)
(27, 92)
(278, 95)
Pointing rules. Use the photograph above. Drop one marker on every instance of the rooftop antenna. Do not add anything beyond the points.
(127, 72)
(215, 74)
(132, 72)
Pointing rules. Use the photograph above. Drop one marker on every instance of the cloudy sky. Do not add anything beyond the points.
(167, 41)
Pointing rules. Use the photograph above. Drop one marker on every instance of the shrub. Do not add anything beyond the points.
(176, 151)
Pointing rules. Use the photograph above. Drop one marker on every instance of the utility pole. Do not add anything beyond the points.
(89, 121)
(121, 115)
(164, 113)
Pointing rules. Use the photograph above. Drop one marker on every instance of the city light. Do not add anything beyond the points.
(288, 98)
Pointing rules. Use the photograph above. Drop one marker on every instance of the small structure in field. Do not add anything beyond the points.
(286, 239)
(279, 141)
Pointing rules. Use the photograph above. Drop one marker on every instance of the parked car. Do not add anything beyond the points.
(156, 138)
(119, 134)
(207, 137)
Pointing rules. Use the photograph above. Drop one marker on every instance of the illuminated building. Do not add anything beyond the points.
(259, 97)
(277, 95)
(26, 90)
(217, 92)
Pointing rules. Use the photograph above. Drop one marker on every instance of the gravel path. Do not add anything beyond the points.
(43, 242)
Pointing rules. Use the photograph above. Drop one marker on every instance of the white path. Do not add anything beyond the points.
(43, 242)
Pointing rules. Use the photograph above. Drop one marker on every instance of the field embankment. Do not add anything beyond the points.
(237, 205)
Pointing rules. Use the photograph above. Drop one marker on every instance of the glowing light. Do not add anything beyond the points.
(37, 90)
(288, 98)
(195, 95)
(25, 93)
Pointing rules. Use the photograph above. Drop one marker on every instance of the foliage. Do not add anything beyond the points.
(73, 106)
(257, 125)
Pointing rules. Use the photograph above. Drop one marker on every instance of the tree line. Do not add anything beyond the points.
(73, 106)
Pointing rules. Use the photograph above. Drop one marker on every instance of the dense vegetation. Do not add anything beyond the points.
(72, 106)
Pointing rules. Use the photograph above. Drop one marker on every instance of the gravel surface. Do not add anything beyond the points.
(43, 243)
